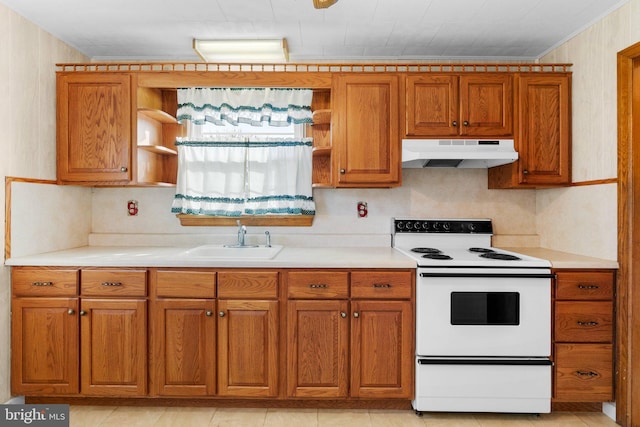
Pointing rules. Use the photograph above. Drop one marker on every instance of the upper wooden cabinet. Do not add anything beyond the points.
(451, 105)
(543, 140)
(94, 128)
(365, 136)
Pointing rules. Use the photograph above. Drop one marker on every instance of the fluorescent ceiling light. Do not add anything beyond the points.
(254, 51)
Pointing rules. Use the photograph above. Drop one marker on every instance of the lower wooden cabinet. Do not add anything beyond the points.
(230, 333)
(583, 336)
(44, 346)
(339, 346)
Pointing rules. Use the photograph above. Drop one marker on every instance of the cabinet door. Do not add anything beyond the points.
(486, 105)
(113, 347)
(248, 348)
(44, 344)
(318, 348)
(431, 107)
(184, 347)
(382, 356)
(545, 135)
(365, 129)
(94, 127)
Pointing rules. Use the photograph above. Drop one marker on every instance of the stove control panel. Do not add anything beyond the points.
(458, 226)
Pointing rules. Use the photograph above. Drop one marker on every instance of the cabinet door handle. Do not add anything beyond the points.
(591, 323)
(343, 171)
(111, 283)
(356, 314)
(318, 285)
(343, 314)
(382, 285)
(581, 286)
(525, 172)
(466, 123)
(589, 374)
(454, 123)
(83, 313)
(71, 311)
(124, 169)
(209, 313)
(42, 284)
(221, 314)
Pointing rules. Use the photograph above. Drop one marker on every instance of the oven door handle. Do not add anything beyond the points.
(501, 362)
(492, 275)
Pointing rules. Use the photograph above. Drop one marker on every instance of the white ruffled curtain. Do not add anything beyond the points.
(233, 175)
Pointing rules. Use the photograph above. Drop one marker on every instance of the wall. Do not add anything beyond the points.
(584, 219)
(27, 82)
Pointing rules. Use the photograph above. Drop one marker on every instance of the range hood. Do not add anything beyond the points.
(457, 153)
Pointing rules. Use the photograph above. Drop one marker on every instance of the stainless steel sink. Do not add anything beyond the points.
(232, 252)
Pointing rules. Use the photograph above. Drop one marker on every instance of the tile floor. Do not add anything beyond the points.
(120, 416)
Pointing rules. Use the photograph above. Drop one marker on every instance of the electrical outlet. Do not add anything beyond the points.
(132, 207)
(363, 209)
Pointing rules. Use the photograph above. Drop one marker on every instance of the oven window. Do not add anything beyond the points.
(485, 308)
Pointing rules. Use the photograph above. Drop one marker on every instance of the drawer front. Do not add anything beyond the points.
(113, 283)
(318, 284)
(584, 285)
(42, 282)
(248, 284)
(584, 372)
(382, 284)
(583, 321)
(185, 284)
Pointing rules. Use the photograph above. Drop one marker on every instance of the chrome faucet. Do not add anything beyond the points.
(242, 231)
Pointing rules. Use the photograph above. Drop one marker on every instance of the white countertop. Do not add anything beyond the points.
(153, 256)
(288, 257)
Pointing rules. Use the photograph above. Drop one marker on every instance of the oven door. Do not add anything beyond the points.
(483, 312)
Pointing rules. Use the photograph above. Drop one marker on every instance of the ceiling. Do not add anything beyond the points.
(350, 30)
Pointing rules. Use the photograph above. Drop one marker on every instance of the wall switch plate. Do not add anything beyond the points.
(132, 207)
(363, 209)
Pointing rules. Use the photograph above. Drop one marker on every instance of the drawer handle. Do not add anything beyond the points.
(318, 285)
(581, 286)
(42, 284)
(382, 285)
(111, 283)
(592, 323)
(589, 374)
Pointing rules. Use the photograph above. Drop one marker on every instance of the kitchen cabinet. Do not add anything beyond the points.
(79, 331)
(94, 128)
(543, 140)
(183, 334)
(113, 332)
(455, 105)
(350, 334)
(583, 336)
(111, 132)
(248, 333)
(364, 129)
(44, 331)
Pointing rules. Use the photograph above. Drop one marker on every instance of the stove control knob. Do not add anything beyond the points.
(416, 225)
(399, 225)
(436, 226)
(425, 225)
(446, 226)
(471, 227)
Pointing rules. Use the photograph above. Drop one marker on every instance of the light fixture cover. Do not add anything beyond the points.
(242, 51)
(323, 4)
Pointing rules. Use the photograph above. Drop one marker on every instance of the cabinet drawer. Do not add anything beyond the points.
(318, 284)
(130, 283)
(248, 284)
(584, 285)
(381, 284)
(583, 321)
(584, 372)
(185, 284)
(42, 282)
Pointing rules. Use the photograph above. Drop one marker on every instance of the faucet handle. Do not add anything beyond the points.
(267, 237)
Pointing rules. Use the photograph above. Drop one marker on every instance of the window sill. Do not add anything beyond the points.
(258, 220)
